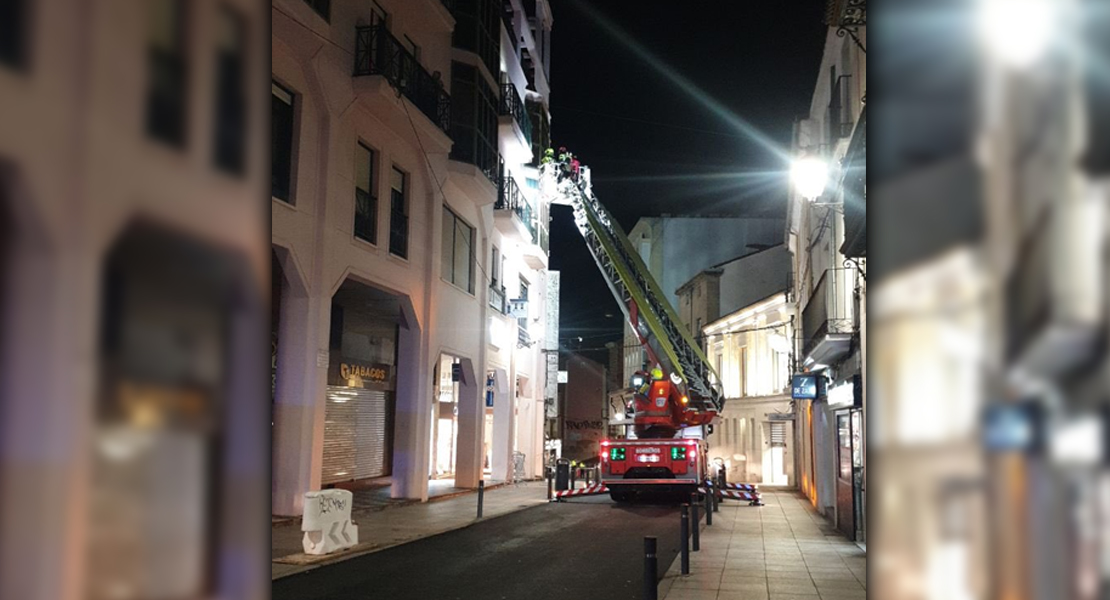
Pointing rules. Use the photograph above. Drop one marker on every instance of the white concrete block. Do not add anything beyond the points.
(327, 522)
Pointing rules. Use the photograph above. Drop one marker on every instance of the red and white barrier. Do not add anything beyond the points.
(751, 497)
(592, 490)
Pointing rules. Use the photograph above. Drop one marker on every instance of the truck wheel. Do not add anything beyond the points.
(620, 496)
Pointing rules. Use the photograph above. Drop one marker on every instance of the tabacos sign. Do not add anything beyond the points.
(358, 374)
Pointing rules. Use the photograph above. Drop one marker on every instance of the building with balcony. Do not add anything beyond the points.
(826, 238)
(675, 249)
(409, 244)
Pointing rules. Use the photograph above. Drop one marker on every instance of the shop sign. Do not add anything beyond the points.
(804, 386)
(359, 374)
(1013, 427)
(780, 416)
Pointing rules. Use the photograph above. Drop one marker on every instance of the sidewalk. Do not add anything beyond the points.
(380, 529)
(781, 551)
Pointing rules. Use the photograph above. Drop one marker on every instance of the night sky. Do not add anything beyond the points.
(656, 148)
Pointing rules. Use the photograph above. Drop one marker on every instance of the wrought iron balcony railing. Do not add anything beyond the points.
(497, 298)
(524, 339)
(512, 105)
(510, 198)
(377, 52)
(828, 310)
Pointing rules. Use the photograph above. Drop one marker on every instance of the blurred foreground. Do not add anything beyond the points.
(133, 423)
(989, 388)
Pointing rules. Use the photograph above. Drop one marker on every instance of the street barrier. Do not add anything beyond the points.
(685, 539)
(481, 496)
(695, 522)
(651, 569)
(592, 490)
(327, 522)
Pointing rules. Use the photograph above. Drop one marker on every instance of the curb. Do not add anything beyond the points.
(307, 563)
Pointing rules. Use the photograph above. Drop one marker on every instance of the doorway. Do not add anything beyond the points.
(445, 418)
(845, 493)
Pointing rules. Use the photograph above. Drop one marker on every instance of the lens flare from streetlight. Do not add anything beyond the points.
(1018, 32)
(809, 174)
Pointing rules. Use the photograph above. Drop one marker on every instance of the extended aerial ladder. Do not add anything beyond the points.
(653, 319)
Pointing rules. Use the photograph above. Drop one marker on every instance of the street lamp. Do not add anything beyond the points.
(1018, 32)
(810, 174)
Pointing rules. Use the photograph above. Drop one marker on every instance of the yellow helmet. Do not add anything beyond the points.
(657, 373)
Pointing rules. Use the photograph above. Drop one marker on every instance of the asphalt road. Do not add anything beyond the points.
(586, 548)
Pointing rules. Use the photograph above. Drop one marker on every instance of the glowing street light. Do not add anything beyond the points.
(1018, 32)
(809, 175)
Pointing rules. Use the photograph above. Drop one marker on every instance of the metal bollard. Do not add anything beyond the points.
(695, 522)
(685, 548)
(481, 494)
(651, 569)
(573, 477)
(716, 499)
(708, 508)
(549, 482)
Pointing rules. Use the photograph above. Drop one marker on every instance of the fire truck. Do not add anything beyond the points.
(675, 400)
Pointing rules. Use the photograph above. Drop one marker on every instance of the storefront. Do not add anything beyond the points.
(445, 417)
(843, 400)
(362, 383)
(159, 422)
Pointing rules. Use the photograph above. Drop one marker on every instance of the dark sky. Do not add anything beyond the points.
(655, 148)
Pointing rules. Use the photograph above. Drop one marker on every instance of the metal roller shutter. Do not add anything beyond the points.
(357, 434)
(778, 434)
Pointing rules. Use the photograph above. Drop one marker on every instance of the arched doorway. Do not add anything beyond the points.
(362, 384)
(168, 310)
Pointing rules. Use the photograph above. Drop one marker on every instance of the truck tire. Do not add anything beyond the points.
(620, 496)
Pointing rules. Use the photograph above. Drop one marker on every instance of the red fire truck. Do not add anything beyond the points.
(672, 405)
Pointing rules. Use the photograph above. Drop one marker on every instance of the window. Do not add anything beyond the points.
(523, 321)
(473, 120)
(231, 122)
(494, 264)
(398, 215)
(366, 202)
(322, 7)
(458, 251)
(13, 28)
(165, 100)
(742, 371)
(281, 143)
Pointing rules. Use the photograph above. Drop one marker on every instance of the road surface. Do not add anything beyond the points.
(580, 549)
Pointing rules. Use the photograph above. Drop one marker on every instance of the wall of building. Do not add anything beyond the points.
(676, 251)
(584, 424)
(754, 277)
(442, 313)
(81, 177)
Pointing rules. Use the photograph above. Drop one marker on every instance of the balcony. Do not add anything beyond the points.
(511, 110)
(827, 323)
(377, 52)
(497, 297)
(523, 339)
(512, 213)
(1053, 296)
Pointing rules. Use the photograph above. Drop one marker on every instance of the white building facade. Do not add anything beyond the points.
(750, 350)
(829, 287)
(409, 243)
